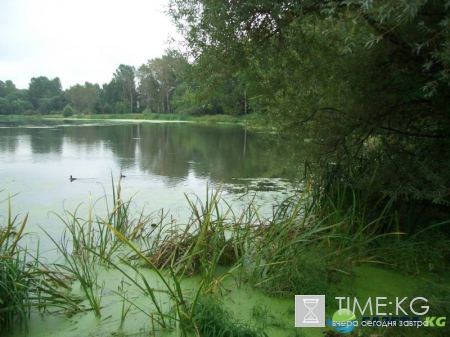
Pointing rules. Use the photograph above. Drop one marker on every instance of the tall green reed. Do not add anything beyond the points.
(86, 243)
(25, 283)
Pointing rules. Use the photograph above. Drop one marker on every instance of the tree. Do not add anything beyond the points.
(159, 80)
(110, 94)
(5, 106)
(16, 99)
(122, 108)
(46, 95)
(20, 107)
(149, 88)
(125, 75)
(84, 98)
(7, 88)
(68, 111)
(366, 82)
(16, 95)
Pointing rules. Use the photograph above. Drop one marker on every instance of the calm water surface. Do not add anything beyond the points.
(162, 162)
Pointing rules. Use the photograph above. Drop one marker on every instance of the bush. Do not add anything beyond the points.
(122, 108)
(68, 111)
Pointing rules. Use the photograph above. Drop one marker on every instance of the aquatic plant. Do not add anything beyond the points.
(209, 317)
(25, 283)
(85, 244)
(174, 291)
(310, 241)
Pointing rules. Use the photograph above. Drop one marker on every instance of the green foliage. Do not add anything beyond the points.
(86, 244)
(111, 93)
(210, 318)
(296, 272)
(67, 111)
(5, 107)
(13, 101)
(17, 95)
(14, 293)
(46, 95)
(365, 83)
(25, 283)
(159, 79)
(83, 97)
(311, 238)
(19, 107)
(125, 76)
(7, 88)
(107, 109)
(122, 108)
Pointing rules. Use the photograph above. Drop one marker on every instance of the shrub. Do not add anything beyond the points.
(68, 111)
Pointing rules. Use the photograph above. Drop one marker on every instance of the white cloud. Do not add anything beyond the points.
(79, 40)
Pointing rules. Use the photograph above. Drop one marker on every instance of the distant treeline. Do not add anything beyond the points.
(162, 85)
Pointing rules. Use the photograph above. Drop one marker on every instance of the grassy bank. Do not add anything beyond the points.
(208, 119)
(250, 121)
(311, 245)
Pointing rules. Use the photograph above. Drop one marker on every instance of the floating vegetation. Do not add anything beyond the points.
(308, 243)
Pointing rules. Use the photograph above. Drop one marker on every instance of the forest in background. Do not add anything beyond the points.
(163, 85)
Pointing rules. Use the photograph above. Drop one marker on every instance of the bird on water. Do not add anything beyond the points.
(72, 179)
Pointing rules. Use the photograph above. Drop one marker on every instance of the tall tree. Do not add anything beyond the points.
(367, 82)
(7, 88)
(5, 106)
(159, 79)
(125, 75)
(46, 95)
(84, 97)
(110, 94)
(13, 100)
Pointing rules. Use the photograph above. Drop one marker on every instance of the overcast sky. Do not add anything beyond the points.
(79, 40)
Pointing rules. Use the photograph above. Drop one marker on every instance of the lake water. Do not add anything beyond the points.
(162, 162)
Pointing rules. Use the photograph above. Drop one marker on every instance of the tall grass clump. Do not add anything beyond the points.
(87, 244)
(282, 255)
(24, 282)
(316, 238)
(201, 245)
(172, 288)
(14, 291)
(195, 248)
(209, 317)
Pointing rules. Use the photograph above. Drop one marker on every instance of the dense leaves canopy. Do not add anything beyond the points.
(365, 82)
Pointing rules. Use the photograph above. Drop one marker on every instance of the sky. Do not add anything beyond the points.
(79, 40)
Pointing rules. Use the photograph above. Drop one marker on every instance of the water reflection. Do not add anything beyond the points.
(169, 150)
(161, 161)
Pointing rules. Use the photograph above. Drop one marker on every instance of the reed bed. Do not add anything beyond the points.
(27, 284)
(311, 240)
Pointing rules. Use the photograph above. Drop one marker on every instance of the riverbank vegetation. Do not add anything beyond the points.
(365, 84)
(312, 244)
(250, 121)
(25, 282)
